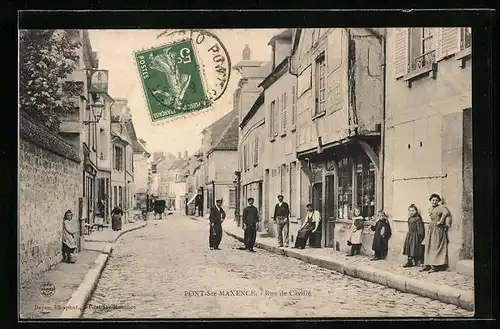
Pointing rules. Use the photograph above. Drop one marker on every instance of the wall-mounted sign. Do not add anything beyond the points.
(98, 81)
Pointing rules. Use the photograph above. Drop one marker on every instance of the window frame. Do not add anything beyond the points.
(320, 84)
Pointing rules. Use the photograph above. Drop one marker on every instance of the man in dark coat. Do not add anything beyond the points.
(250, 224)
(282, 219)
(199, 204)
(217, 216)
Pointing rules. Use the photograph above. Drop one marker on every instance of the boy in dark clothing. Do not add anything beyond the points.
(382, 235)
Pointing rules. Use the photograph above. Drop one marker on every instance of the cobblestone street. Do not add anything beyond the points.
(166, 270)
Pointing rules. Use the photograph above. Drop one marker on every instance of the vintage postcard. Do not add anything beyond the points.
(246, 173)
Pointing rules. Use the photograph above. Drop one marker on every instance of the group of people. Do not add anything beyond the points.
(429, 249)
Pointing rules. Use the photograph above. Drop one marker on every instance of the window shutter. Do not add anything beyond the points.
(447, 41)
(294, 105)
(401, 52)
(284, 112)
(256, 160)
(271, 123)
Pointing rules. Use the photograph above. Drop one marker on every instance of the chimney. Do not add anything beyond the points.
(179, 155)
(185, 154)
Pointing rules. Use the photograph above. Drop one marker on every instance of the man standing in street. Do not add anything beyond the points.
(250, 224)
(217, 216)
(282, 219)
(199, 204)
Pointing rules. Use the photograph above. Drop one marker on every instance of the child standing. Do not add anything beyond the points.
(382, 235)
(413, 247)
(355, 240)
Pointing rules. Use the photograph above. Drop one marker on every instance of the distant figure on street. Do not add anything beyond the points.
(436, 239)
(310, 225)
(116, 218)
(186, 206)
(381, 237)
(199, 204)
(250, 224)
(68, 238)
(413, 248)
(281, 217)
(217, 216)
(355, 240)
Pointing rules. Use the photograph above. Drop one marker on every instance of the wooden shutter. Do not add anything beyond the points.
(284, 112)
(271, 123)
(294, 105)
(276, 109)
(447, 41)
(401, 52)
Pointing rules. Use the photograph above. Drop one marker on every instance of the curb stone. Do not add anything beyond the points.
(76, 304)
(445, 294)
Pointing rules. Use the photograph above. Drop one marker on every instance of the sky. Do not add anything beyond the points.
(115, 50)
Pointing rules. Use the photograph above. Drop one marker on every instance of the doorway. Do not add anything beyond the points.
(317, 201)
(329, 215)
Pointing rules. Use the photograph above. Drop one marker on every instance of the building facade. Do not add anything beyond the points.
(428, 131)
(339, 115)
(248, 101)
(282, 175)
(220, 146)
(140, 158)
(122, 157)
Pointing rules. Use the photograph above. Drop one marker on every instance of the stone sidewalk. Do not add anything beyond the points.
(448, 287)
(66, 278)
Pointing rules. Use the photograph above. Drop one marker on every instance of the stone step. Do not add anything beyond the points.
(465, 267)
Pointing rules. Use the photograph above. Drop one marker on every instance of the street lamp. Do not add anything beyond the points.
(97, 107)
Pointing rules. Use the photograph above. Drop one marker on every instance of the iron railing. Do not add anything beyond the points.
(424, 60)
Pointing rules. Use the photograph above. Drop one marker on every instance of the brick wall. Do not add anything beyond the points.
(49, 184)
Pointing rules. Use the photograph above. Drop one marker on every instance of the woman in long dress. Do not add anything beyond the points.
(413, 248)
(116, 218)
(68, 238)
(436, 239)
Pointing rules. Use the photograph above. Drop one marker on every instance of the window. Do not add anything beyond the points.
(245, 157)
(256, 151)
(465, 38)
(274, 124)
(422, 48)
(344, 201)
(118, 165)
(115, 196)
(320, 84)
(365, 186)
(232, 198)
(283, 114)
(120, 197)
(103, 149)
(294, 106)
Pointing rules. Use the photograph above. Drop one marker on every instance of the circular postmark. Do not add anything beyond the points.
(213, 57)
(47, 289)
(186, 72)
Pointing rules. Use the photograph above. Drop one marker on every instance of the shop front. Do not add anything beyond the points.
(342, 178)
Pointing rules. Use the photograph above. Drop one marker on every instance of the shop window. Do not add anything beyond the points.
(365, 178)
(344, 201)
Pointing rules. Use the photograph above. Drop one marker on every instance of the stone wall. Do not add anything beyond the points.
(50, 182)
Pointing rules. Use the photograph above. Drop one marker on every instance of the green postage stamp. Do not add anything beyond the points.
(172, 81)
(185, 75)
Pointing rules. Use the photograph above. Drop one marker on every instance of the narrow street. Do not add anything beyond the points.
(166, 270)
